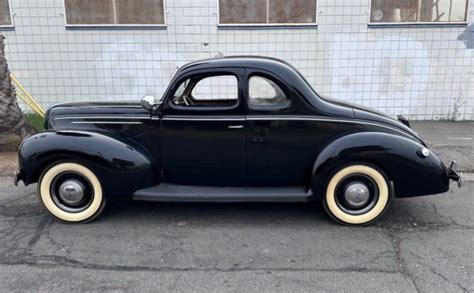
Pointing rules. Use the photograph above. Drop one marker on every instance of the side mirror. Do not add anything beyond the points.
(149, 102)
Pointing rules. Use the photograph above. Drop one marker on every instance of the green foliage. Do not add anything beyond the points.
(12, 144)
(9, 143)
(35, 120)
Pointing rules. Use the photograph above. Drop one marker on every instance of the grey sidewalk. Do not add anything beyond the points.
(450, 140)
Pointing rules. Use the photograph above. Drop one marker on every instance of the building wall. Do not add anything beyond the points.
(424, 73)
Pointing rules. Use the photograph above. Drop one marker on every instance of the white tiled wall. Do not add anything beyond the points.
(424, 73)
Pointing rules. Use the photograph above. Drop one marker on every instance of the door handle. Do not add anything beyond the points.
(235, 126)
(260, 134)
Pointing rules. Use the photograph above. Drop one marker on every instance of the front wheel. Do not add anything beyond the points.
(71, 192)
(357, 195)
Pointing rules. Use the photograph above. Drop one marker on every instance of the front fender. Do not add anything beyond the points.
(398, 157)
(122, 165)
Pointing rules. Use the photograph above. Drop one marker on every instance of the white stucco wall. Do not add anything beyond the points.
(424, 73)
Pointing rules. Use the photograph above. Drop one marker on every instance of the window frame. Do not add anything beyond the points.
(12, 23)
(414, 23)
(275, 25)
(279, 83)
(198, 78)
(116, 26)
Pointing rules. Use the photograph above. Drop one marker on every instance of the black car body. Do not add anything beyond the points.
(183, 148)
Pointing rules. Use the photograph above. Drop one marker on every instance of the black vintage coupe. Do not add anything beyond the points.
(229, 129)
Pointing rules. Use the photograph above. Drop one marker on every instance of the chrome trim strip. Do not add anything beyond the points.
(105, 106)
(300, 118)
(229, 118)
(203, 119)
(103, 117)
(106, 122)
(348, 121)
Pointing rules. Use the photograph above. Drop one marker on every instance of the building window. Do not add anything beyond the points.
(114, 12)
(418, 11)
(5, 13)
(267, 12)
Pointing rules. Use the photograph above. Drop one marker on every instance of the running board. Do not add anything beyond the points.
(188, 193)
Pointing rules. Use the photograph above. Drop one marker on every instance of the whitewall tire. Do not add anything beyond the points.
(357, 195)
(71, 192)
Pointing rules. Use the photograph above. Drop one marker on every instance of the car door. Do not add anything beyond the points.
(203, 129)
(280, 147)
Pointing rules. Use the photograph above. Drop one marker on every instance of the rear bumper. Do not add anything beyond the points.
(453, 174)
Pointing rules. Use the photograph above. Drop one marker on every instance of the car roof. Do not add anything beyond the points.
(258, 62)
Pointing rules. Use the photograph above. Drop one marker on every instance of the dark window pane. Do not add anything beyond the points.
(5, 18)
(399, 11)
(394, 11)
(242, 11)
(139, 11)
(300, 11)
(114, 12)
(443, 10)
(89, 11)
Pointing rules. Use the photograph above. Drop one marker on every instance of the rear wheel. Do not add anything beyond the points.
(357, 195)
(71, 192)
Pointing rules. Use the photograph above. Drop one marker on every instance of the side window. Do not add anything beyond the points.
(212, 91)
(264, 92)
(220, 87)
(182, 87)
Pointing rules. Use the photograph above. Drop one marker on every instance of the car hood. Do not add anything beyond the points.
(78, 109)
(368, 114)
(97, 104)
(112, 107)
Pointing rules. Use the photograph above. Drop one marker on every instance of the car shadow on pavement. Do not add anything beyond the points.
(443, 209)
(401, 214)
(243, 213)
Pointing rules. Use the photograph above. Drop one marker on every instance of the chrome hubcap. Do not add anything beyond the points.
(357, 194)
(71, 192)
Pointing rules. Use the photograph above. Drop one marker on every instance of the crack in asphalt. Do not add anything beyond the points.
(435, 272)
(393, 234)
(40, 228)
(447, 217)
(400, 259)
(423, 227)
(52, 261)
(18, 198)
(464, 289)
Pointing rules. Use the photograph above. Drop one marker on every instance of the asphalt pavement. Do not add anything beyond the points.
(421, 244)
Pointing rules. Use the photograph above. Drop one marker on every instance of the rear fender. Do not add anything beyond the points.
(122, 165)
(410, 173)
